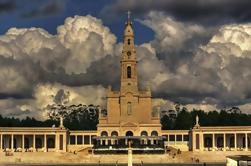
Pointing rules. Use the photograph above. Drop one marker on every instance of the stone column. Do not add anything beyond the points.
(76, 139)
(90, 140)
(213, 141)
(235, 141)
(57, 142)
(246, 141)
(106, 141)
(12, 141)
(202, 142)
(224, 142)
(65, 142)
(193, 141)
(45, 143)
(1, 142)
(34, 142)
(23, 148)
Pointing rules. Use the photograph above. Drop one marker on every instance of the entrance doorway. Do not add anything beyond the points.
(129, 134)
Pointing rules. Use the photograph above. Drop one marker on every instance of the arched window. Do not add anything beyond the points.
(129, 133)
(114, 133)
(129, 72)
(154, 133)
(129, 108)
(143, 133)
(104, 134)
(128, 41)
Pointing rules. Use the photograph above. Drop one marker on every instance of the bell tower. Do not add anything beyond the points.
(129, 110)
(129, 78)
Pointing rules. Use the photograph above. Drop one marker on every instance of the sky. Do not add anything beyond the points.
(194, 52)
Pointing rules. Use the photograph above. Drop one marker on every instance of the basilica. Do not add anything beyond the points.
(129, 118)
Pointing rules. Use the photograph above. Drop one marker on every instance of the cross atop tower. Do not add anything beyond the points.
(128, 15)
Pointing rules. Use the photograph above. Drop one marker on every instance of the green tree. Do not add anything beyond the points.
(183, 120)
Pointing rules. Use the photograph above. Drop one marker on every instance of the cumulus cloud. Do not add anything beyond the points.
(163, 104)
(11, 79)
(186, 63)
(48, 94)
(151, 70)
(175, 41)
(48, 58)
(32, 56)
(198, 73)
(88, 41)
(231, 46)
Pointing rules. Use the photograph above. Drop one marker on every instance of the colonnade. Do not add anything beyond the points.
(81, 139)
(22, 142)
(224, 141)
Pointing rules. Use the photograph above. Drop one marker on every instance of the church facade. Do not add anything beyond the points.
(129, 118)
(129, 110)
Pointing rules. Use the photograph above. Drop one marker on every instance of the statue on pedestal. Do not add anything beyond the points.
(61, 122)
(197, 125)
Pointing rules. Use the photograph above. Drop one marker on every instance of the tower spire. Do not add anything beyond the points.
(129, 79)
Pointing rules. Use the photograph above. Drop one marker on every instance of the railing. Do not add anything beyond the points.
(126, 146)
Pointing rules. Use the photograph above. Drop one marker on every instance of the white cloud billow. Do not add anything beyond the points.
(170, 35)
(28, 56)
(45, 95)
(215, 75)
(88, 40)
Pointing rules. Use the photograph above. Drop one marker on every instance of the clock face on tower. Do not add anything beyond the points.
(129, 54)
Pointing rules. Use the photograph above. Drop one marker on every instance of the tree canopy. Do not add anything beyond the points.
(82, 117)
(186, 119)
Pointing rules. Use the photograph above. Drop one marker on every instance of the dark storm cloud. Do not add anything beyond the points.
(14, 96)
(198, 85)
(204, 11)
(105, 71)
(48, 9)
(7, 5)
